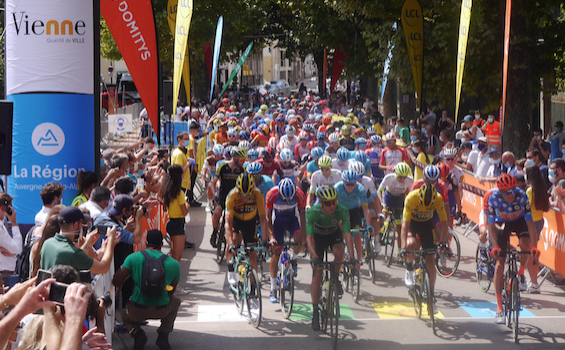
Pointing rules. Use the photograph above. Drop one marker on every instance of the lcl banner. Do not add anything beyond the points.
(462, 49)
(413, 25)
(50, 78)
(132, 25)
(172, 18)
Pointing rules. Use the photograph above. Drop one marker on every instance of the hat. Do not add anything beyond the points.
(468, 118)
(154, 238)
(121, 202)
(72, 214)
(482, 139)
(494, 149)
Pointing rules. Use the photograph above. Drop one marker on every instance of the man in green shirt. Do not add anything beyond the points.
(322, 231)
(404, 132)
(141, 307)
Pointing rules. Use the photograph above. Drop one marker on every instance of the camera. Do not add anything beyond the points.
(137, 208)
(57, 292)
(106, 300)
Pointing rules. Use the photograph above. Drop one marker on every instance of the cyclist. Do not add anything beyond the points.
(325, 176)
(290, 137)
(301, 149)
(509, 211)
(333, 147)
(453, 181)
(270, 165)
(284, 200)
(210, 165)
(418, 229)
(392, 191)
(323, 231)
(288, 166)
(392, 155)
(372, 197)
(362, 157)
(232, 138)
(341, 162)
(375, 155)
(226, 174)
(346, 140)
(262, 182)
(262, 139)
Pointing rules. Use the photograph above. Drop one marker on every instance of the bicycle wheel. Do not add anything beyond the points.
(482, 270)
(448, 261)
(324, 309)
(238, 297)
(416, 293)
(429, 298)
(372, 257)
(286, 288)
(221, 247)
(333, 314)
(506, 298)
(355, 284)
(253, 298)
(515, 311)
(344, 277)
(389, 240)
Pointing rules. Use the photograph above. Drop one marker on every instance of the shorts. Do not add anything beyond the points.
(324, 242)
(247, 228)
(356, 217)
(539, 226)
(424, 231)
(175, 227)
(219, 202)
(397, 214)
(285, 223)
(517, 226)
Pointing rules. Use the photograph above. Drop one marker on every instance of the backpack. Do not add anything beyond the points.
(153, 275)
(22, 260)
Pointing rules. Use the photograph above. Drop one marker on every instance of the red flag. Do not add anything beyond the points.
(337, 67)
(505, 62)
(132, 25)
(208, 57)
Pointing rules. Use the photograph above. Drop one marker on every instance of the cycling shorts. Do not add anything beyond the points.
(356, 217)
(518, 226)
(423, 231)
(285, 223)
(324, 242)
(247, 228)
(397, 214)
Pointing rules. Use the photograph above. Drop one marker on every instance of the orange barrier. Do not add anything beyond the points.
(156, 219)
(552, 237)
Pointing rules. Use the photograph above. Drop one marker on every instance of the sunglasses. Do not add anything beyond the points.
(530, 157)
(244, 196)
(401, 177)
(324, 169)
(507, 193)
(329, 203)
(450, 159)
(349, 184)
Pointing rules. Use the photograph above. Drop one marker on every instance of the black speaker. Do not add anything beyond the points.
(168, 97)
(6, 121)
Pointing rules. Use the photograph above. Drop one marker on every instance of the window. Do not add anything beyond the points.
(282, 59)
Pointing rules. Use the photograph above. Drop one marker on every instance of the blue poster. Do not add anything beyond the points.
(53, 140)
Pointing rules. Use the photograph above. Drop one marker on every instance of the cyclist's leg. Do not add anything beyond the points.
(338, 249)
(321, 242)
(249, 233)
(356, 218)
(217, 213)
(428, 241)
(502, 241)
(278, 232)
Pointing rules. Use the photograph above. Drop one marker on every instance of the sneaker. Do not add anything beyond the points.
(499, 318)
(409, 278)
(231, 278)
(377, 248)
(316, 323)
(522, 283)
(273, 298)
(163, 341)
(214, 239)
(209, 208)
(189, 245)
(533, 288)
(339, 288)
(139, 338)
(181, 292)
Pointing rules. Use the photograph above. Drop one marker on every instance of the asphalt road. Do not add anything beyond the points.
(383, 318)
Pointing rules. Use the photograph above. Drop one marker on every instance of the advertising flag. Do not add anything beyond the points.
(325, 67)
(462, 50)
(337, 67)
(387, 66)
(238, 67)
(172, 18)
(182, 25)
(507, 20)
(132, 25)
(217, 45)
(207, 47)
(413, 24)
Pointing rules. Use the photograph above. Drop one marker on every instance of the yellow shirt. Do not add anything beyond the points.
(537, 215)
(413, 210)
(180, 158)
(419, 173)
(174, 208)
(378, 129)
(245, 210)
(212, 136)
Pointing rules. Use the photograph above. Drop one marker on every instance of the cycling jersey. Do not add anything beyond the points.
(355, 199)
(227, 177)
(221, 138)
(414, 210)
(500, 210)
(312, 167)
(393, 197)
(265, 185)
(369, 186)
(374, 159)
(269, 170)
(210, 163)
(349, 144)
(390, 158)
(237, 208)
(341, 167)
(318, 223)
(292, 142)
(281, 207)
(441, 187)
(290, 171)
(318, 179)
(300, 151)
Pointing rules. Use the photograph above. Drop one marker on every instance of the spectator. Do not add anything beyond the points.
(98, 202)
(10, 243)
(520, 165)
(445, 123)
(51, 194)
(478, 121)
(555, 138)
(465, 149)
(542, 146)
(60, 250)
(430, 118)
(478, 161)
(496, 167)
(433, 142)
(509, 162)
(533, 157)
(86, 182)
(474, 132)
(491, 129)
(422, 159)
(192, 151)
(140, 306)
(445, 138)
(119, 165)
(404, 133)
(556, 175)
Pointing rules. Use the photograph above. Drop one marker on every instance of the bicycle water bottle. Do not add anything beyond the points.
(418, 276)
(241, 270)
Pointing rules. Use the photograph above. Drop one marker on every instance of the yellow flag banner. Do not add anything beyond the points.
(182, 24)
(172, 18)
(507, 19)
(462, 50)
(413, 24)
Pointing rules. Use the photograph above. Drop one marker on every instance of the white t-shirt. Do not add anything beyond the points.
(295, 141)
(319, 180)
(336, 165)
(483, 165)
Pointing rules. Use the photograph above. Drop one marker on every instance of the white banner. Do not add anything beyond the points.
(49, 46)
(120, 123)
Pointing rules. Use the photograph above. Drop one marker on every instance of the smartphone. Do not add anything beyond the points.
(85, 276)
(42, 275)
(102, 230)
(57, 292)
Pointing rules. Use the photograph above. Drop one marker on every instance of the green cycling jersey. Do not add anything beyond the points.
(318, 223)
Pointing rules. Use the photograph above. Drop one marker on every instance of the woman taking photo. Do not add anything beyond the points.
(176, 206)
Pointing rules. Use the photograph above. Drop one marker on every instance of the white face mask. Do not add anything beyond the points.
(496, 161)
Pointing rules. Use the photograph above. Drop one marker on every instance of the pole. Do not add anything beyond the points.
(355, 62)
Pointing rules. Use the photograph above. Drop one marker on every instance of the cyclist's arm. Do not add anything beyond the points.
(492, 234)
(311, 244)
(366, 213)
(406, 218)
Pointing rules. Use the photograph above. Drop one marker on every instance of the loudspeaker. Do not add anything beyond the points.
(168, 97)
(6, 121)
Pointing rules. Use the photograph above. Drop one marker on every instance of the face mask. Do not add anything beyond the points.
(415, 150)
(482, 146)
(413, 138)
(495, 161)
(397, 129)
(530, 162)
(525, 178)
(441, 138)
(101, 162)
(425, 132)
(551, 172)
(412, 127)
(508, 165)
(538, 138)
(477, 116)
(490, 120)
(551, 179)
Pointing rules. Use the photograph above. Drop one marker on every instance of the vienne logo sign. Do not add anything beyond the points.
(48, 139)
(38, 27)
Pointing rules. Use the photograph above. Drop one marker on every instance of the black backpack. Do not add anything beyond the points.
(153, 275)
(22, 260)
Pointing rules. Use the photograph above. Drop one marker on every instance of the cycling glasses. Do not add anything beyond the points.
(329, 203)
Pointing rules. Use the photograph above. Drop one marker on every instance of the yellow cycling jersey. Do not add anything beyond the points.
(237, 208)
(414, 210)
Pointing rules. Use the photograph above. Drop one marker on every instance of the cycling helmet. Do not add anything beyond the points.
(402, 169)
(427, 195)
(325, 161)
(334, 137)
(371, 131)
(319, 118)
(307, 127)
(431, 173)
(346, 130)
(268, 153)
(244, 135)
(317, 152)
(279, 119)
(347, 121)
(326, 193)
(245, 184)
(254, 168)
(232, 132)
(238, 152)
(218, 150)
(265, 129)
(361, 156)
(264, 107)
(303, 136)
(506, 182)
(285, 155)
(245, 145)
(358, 167)
(252, 154)
(227, 152)
(450, 152)
(321, 136)
(272, 143)
(443, 169)
(287, 189)
(375, 139)
(290, 131)
(343, 154)
(349, 176)
(327, 120)
(390, 137)
(232, 123)
(361, 142)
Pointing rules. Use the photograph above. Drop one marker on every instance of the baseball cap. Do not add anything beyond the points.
(482, 139)
(468, 118)
(154, 238)
(121, 202)
(494, 149)
(72, 214)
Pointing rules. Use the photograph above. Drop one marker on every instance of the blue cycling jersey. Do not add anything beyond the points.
(367, 163)
(351, 200)
(500, 210)
(265, 185)
(374, 159)
(312, 167)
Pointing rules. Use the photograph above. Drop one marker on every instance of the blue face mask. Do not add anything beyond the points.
(530, 162)
(101, 162)
(482, 146)
(551, 173)
(508, 165)
(413, 138)
(415, 150)
(525, 178)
